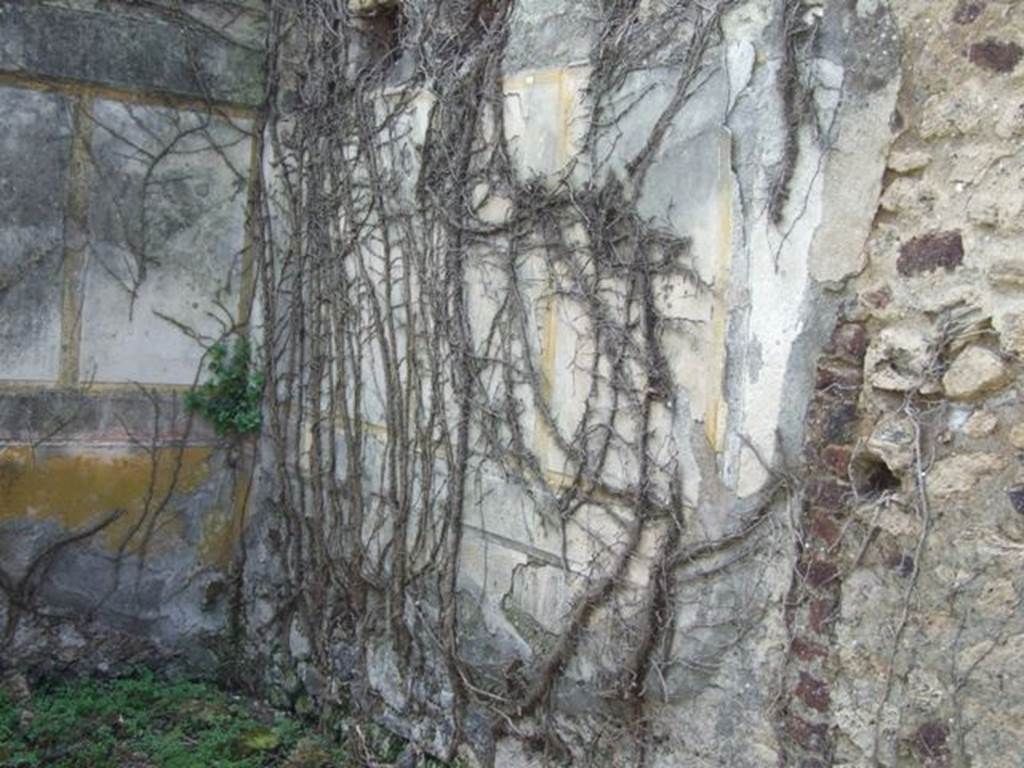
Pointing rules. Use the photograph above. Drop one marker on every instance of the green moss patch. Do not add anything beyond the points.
(146, 722)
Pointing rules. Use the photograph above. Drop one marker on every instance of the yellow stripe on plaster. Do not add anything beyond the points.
(717, 408)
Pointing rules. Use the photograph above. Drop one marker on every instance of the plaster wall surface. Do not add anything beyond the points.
(862, 344)
(125, 157)
(743, 340)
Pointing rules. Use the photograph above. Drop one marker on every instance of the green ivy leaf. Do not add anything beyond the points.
(231, 399)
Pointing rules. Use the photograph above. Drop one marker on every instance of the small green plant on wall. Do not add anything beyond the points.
(230, 398)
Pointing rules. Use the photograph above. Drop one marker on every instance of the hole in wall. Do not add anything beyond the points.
(872, 477)
(382, 29)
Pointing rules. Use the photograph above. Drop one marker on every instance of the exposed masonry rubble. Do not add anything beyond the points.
(813, 602)
(906, 611)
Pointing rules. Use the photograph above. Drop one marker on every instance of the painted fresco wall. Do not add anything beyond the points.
(126, 151)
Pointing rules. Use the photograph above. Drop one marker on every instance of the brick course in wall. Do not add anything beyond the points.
(816, 590)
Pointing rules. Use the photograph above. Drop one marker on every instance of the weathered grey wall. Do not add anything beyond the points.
(725, 690)
(125, 159)
(745, 364)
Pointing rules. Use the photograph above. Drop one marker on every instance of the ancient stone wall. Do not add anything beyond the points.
(905, 613)
(768, 167)
(126, 151)
(843, 582)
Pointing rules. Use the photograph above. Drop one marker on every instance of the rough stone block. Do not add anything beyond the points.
(166, 220)
(838, 375)
(975, 372)
(850, 340)
(929, 252)
(909, 161)
(836, 458)
(807, 650)
(996, 55)
(958, 474)
(1017, 436)
(133, 51)
(35, 150)
(892, 440)
(981, 424)
(968, 12)
(813, 692)
(900, 358)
